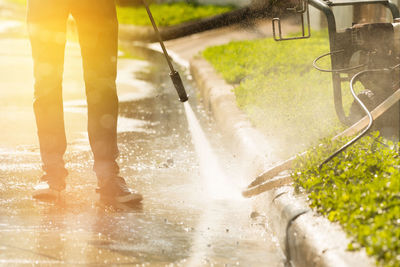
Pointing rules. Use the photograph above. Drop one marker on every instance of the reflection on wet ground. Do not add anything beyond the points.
(178, 223)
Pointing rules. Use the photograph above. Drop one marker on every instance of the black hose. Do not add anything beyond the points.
(371, 119)
(362, 105)
(337, 70)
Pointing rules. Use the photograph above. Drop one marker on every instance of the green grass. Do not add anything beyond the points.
(168, 14)
(165, 14)
(21, 2)
(278, 88)
(360, 189)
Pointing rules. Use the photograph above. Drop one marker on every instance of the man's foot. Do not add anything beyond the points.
(44, 191)
(115, 191)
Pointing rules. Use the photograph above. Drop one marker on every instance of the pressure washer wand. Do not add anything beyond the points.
(175, 77)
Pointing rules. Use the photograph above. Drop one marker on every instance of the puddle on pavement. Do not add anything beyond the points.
(177, 225)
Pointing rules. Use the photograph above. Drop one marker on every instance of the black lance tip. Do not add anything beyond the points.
(176, 79)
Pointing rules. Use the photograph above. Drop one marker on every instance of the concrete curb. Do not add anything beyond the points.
(307, 238)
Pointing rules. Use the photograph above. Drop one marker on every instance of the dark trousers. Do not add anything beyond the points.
(98, 37)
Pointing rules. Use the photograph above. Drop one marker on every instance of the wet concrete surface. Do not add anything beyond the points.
(179, 222)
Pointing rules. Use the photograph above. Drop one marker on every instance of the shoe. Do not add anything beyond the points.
(49, 189)
(115, 190)
(43, 191)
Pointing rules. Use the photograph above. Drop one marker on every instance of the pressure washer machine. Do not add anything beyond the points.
(368, 52)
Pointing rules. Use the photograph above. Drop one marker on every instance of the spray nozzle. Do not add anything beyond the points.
(176, 79)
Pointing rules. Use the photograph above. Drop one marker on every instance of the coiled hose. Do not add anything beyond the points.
(334, 70)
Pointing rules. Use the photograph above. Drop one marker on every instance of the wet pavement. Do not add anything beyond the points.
(180, 223)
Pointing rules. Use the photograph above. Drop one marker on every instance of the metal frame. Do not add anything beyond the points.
(326, 7)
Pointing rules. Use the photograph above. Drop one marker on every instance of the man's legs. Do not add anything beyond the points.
(47, 28)
(98, 36)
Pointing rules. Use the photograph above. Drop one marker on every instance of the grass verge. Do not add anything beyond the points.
(20, 2)
(287, 99)
(168, 14)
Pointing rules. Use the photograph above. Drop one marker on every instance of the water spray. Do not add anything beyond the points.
(215, 181)
(175, 77)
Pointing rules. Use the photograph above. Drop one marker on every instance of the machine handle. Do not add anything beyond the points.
(301, 9)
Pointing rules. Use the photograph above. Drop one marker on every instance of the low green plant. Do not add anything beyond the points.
(277, 86)
(168, 14)
(360, 189)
